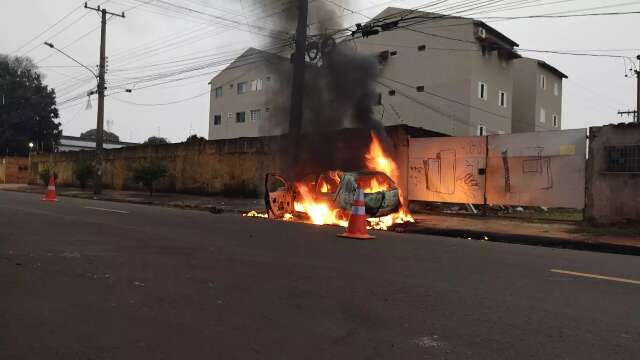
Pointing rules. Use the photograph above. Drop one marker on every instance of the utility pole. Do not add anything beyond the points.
(635, 114)
(638, 91)
(97, 180)
(297, 85)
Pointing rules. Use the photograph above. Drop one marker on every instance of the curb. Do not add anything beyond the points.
(531, 240)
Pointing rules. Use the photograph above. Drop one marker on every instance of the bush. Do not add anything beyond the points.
(148, 173)
(45, 174)
(83, 171)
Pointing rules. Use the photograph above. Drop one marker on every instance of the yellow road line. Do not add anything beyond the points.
(601, 277)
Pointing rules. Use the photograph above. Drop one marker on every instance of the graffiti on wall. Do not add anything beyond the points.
(442, 169)
(534, 169)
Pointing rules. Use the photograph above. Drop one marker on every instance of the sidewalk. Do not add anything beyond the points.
(215, 204)
(575, 235)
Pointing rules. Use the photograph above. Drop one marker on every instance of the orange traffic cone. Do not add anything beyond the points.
(357, 228)
(51, 191)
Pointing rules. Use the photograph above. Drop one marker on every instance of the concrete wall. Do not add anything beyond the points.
(611, 197)
(14, 170)
(230, 166)
(205, 168)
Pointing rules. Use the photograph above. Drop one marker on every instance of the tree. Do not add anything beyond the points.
(83, 171)
(156, 140)
(194, 138)
(27, 108)
(148, 173)
(106, 135)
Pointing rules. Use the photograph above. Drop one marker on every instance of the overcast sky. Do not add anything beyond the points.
(151, 40)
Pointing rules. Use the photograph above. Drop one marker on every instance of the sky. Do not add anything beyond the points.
(156, 40)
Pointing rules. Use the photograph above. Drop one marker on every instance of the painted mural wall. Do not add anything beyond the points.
(447, 169)
(545, 168)
(529, 169)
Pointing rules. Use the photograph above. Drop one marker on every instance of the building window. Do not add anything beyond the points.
(556, 89)
(256, 85)
(543, 116)
(420, 88)
(268, 78)
(555, 120)
(422, 47)
(482, 130)
(502, 99)
(243, 87)
(218, 91)
(229, 116)
(392, 93)
(543, 82)
(240, 117)
(624, 159)
(254, 115)
(217, 119)
(482, 90)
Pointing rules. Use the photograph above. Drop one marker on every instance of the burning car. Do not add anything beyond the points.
(326, 197)
(330, 194)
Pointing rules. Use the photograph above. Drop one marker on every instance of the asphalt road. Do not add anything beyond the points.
(80, 281)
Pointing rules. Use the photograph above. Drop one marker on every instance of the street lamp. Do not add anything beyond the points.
(30, 148)
(74, 60)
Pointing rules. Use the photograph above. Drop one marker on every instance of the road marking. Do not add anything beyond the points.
(103, 209)
(601, 277)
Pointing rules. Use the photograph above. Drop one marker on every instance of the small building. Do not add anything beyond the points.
(76, 143)
(537, 100)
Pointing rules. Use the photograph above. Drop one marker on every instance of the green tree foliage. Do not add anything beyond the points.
(45, 174)
(27, 108)
(194, 139)
(156, 140)
(83, 171)
(150, 172)
(106, 135)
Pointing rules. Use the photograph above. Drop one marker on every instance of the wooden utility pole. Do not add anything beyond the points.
(638, 91)
(297, 84)
(97, 180)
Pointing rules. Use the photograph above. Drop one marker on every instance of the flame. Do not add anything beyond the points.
(319, 211)
(254, 213)
(324, 188)
(375, 186)
(377, 160)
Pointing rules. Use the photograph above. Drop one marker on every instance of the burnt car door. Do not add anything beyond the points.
(278, 196)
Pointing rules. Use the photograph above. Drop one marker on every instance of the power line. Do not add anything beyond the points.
(162, 104)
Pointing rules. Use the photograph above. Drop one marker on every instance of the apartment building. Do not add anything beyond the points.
(245, 94)
(537, 104)
(450, 75)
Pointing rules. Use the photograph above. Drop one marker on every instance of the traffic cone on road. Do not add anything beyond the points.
(51, 190)
(357, 228)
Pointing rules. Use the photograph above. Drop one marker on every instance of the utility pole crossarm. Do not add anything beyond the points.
(99, 9)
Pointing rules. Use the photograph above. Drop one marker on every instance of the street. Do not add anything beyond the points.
(83, 279)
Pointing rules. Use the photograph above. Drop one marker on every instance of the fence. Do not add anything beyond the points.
(532, 169)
